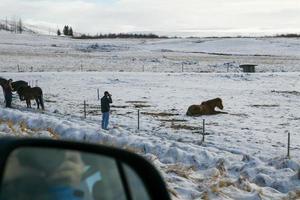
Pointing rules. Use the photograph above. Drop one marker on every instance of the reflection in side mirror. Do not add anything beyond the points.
(50, 173)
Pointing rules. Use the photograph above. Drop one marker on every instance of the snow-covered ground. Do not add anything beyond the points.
(242, 157)
(249, 142)
(30, 52)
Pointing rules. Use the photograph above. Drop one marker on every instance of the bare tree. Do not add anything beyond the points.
(6, 24)
(20, 26)
(13, 25)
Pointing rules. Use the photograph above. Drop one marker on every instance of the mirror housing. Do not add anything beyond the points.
(136, 173)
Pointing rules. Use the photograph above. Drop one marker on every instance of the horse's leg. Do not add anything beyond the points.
(221, 112)
(42, 101)
(27, 103)
(37, 102)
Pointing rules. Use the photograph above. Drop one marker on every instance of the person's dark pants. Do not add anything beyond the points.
(8, 99)
(105, 119)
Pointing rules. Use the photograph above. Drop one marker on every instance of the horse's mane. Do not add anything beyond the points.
(213, 101)
(2, 80)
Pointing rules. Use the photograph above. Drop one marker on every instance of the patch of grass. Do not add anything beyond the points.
(53, 134)
(225, 183)
(114, 106)
(10, 124)
(286, 92)
(173, 120)
(180, 170)
(50, 101)
(93, 112)
(23, 127)
(240, 114)
(243, 184)
(205, 196)
(215, 189)
(172, 192)
(124, 114)
(93, 106)
(183, 126)
(264, 105)
(141, 106)
(160, 114)
(136, 102)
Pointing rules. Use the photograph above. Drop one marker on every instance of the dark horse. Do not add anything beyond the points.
(15, 85)
(29, 93)
(18, 84)
(2, 82)
(206, 108)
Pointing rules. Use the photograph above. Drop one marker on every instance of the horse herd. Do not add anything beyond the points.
(26, 92)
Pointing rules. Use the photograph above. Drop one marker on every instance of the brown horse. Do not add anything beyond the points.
(29, 93)
(206, 108)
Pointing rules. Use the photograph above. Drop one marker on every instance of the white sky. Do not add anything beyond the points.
(160, 16)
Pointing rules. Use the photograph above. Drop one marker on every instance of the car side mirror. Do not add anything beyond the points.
(49, 169)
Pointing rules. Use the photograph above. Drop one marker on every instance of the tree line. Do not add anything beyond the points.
(68, 31)
(14, 26)
(119, 35)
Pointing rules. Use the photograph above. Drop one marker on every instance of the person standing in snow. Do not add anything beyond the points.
(7, 88)
(105, 108)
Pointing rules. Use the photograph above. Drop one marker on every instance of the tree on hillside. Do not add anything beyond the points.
(58, 32)
(66, 30)
(6, 24)
(70, 32)
(20, 26)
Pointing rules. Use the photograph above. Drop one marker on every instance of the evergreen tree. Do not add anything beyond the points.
(70, 33)
(66, 30)
(58, 32)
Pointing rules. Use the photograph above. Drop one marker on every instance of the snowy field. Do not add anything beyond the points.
(244, 152)
(40, 53)
(248, 142)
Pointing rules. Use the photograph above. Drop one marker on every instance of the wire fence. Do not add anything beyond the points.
(154, 65)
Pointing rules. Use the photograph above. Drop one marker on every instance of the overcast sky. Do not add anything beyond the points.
(159, 16)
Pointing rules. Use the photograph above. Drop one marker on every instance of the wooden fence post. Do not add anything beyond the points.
(98, 94)
(288, 146)
(203, 130)
(138, 119)
(84, 108)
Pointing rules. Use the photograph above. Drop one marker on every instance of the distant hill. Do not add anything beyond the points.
(14, 26)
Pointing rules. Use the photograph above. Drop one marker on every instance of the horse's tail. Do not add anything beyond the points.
(41, 100)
